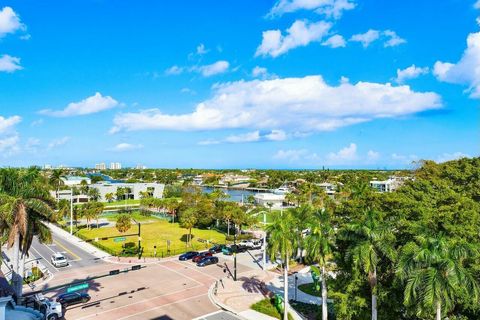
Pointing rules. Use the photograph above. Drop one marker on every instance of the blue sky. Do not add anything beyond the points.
(235, 84)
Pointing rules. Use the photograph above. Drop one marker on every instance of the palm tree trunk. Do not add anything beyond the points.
(324, 296)
(16, 263)
(228, 227)
(439, 310)
(285, 288)
(374, 296)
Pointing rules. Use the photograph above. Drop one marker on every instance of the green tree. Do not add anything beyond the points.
(120, 193)
(123, 223)
(188, 219)
(436, 274)
(109, 197)
(56, 179)
(370, 239)
(94, 194)
(282, 244)
(320, 242)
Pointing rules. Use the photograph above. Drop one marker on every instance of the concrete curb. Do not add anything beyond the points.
(211, 297)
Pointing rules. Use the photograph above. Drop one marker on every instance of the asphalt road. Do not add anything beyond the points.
(77, 257)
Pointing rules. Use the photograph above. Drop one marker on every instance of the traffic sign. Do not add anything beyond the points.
(77, 287)
(119, 239)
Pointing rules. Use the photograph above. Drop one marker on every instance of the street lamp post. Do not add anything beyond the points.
(235, 253)
(264, 240)
(71, 211)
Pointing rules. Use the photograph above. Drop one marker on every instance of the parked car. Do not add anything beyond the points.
(247, 243)
(187, 255)
(207, 261)
(233, 248)
(257, 244)
(216, 248)
(201, 255)
(70, 299)
(59, 260)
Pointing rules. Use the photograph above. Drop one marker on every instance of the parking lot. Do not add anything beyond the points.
(169, 289)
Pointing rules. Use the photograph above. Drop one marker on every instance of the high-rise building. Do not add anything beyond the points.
(100, 166)
(115, 166)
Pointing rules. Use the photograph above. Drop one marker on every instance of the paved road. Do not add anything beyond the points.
(77, 257)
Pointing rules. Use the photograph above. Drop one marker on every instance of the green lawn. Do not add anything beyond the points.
(135, 215)
(121, 202)
(309, 288)
(266, 306)
(156, 233)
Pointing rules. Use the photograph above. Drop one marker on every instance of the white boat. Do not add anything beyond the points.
(281, 190)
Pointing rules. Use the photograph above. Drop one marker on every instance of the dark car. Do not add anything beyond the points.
(69, 299)
(187, 255)
(216, 248)
(233, 248)
(201, 255)
(207, 261)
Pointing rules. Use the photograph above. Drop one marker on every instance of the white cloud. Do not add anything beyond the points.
(93, 104)
(335, 41)
(477, 4)
(253, 136)
(404, 159)
(259, 72)
(300, 34)
(174, 70)
(188, 90)
(201, 50)
(9, 22)
(58, 142)
(291, 155)
(451, 156)
(121, 147)
(9, 63)
(329, 8)
(218, 67)
(7, 124)
(366, 38)
(466, 71)
(411, 72)
(393, 39)
(373, 155)
(9, 144)
(286, 104)
(346, 154)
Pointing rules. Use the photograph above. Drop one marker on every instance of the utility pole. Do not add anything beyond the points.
(264, 240)
(235, 253)
(139, 241)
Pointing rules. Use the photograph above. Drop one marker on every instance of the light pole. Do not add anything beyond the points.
(264, 240)
(235, 253)
(71, 211)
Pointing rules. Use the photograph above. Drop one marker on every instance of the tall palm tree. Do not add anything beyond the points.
(94, 194)
(188, 219)
(434, 270)
(319, 247)
(109, 197)
(28, 204)
(56, 179)
(370, 241)
(282, 243)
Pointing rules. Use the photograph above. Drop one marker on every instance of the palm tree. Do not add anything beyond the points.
(56, 179)
(319, 247)
(188, 219)
(109, 197)
(28, 205)
(282, 243)
(123, 223)
(120, 194)
(94, 194)
(435, 273)
(370, 240)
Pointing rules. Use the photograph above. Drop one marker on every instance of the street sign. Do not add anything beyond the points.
(77, 287)
(119, 239)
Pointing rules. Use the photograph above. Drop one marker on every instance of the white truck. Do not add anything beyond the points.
(51, 310)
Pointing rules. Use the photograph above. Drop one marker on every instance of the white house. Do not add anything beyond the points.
(264, 199)
(75, 180)
(134, 189)
(389, 185)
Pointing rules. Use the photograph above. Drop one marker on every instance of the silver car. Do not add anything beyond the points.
(59, 260)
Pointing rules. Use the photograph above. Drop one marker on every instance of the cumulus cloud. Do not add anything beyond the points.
(291, 155)
(58, 142)
(9, 22)
(411, 72)
(93, 104)
(366, 38)
(209, 70)
(335, 41)
(373, 155)
(346, 154)
(253, 136)
(259, 72)
(8, 124)
(201, 50)
(286, 104)
(329, 8)
(300, 34)
(9, 137)
(477, 4)
(174, 70)
(451, 156)
(391, 39)
(9, 63)
(9, 144)
(122, 147)
(466, 71)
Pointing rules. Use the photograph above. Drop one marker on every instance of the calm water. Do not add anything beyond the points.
(234, 195)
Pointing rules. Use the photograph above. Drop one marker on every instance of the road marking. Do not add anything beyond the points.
(181, 274)
(47, 260)
(196, 269)
(69, 251)
(139, 302)
(165, 305)
(209, 314)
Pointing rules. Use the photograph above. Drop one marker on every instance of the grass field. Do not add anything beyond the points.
(156, 233)
(121, 202)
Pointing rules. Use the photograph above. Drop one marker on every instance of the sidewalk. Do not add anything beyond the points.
(91, 249)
